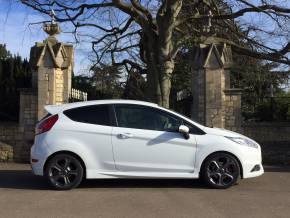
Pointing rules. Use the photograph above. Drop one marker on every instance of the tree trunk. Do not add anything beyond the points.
(166, 72)
(159, 50)
(159, 79)
(153, 85)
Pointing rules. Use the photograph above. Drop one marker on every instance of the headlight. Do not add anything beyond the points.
(244, 141)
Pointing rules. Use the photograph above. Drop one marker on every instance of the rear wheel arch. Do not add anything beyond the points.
(223, 152)
(68, 153)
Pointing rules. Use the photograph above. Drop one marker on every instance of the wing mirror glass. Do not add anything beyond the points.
(184, 130)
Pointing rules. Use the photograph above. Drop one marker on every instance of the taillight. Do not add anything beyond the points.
(46, 124)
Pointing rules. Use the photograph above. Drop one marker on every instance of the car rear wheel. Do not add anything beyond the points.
(64, 172)
(220, 170)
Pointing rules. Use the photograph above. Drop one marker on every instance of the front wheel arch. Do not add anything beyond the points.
(69, 153)
(224, 152)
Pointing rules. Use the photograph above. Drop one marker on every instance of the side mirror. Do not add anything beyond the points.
(184, 130)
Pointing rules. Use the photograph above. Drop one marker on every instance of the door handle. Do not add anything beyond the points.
(125, 135)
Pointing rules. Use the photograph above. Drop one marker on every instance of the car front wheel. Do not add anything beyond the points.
(220, 170)
(64, 172)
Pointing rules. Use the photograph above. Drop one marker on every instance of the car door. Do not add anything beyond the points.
(146, 139)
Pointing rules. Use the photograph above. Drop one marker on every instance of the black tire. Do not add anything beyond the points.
(64, 171)
(220, 170)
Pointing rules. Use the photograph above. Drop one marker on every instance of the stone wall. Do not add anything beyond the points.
(28, 108)
(274, 139)
(14, 139)
(232, 109)
(6, 152)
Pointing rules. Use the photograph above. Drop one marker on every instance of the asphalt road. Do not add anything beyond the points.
(25, 195)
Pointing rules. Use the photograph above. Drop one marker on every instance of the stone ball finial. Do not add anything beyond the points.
(51, 29)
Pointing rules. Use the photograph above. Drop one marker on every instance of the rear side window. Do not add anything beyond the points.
(95, 114)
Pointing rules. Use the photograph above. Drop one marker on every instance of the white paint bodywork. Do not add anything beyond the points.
(116, 152)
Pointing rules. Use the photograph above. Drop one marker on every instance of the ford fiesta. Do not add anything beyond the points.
(134, 139)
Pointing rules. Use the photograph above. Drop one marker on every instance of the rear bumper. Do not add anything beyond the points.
(37, 167)
(38, 156)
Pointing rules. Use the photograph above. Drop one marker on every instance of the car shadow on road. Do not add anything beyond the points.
(24, 179)
(21, 179)
(143, 183)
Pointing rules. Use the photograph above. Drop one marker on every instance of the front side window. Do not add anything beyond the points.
(93, 114)
(142, 117)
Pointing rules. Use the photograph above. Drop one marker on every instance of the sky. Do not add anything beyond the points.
(19, 36)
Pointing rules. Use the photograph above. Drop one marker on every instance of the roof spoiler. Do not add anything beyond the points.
(53, 109)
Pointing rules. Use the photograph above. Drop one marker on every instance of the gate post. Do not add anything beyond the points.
(52, 64)
(214, 104)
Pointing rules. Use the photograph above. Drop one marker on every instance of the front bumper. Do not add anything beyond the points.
(252, 162)
(248, 170)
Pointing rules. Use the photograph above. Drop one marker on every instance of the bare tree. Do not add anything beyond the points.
(147, 34)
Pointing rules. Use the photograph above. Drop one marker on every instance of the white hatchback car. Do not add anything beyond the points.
(135, 139)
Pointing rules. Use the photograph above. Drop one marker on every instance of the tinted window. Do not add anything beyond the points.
(140, 117)
(96, 114)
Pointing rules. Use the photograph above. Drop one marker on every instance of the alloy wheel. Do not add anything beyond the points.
(64, 172)
(221, 171)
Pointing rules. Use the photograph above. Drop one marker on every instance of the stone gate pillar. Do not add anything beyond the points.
(211, 85)
(52, 64)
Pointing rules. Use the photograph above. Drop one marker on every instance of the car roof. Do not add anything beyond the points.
(57, 108)
(109, 101)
